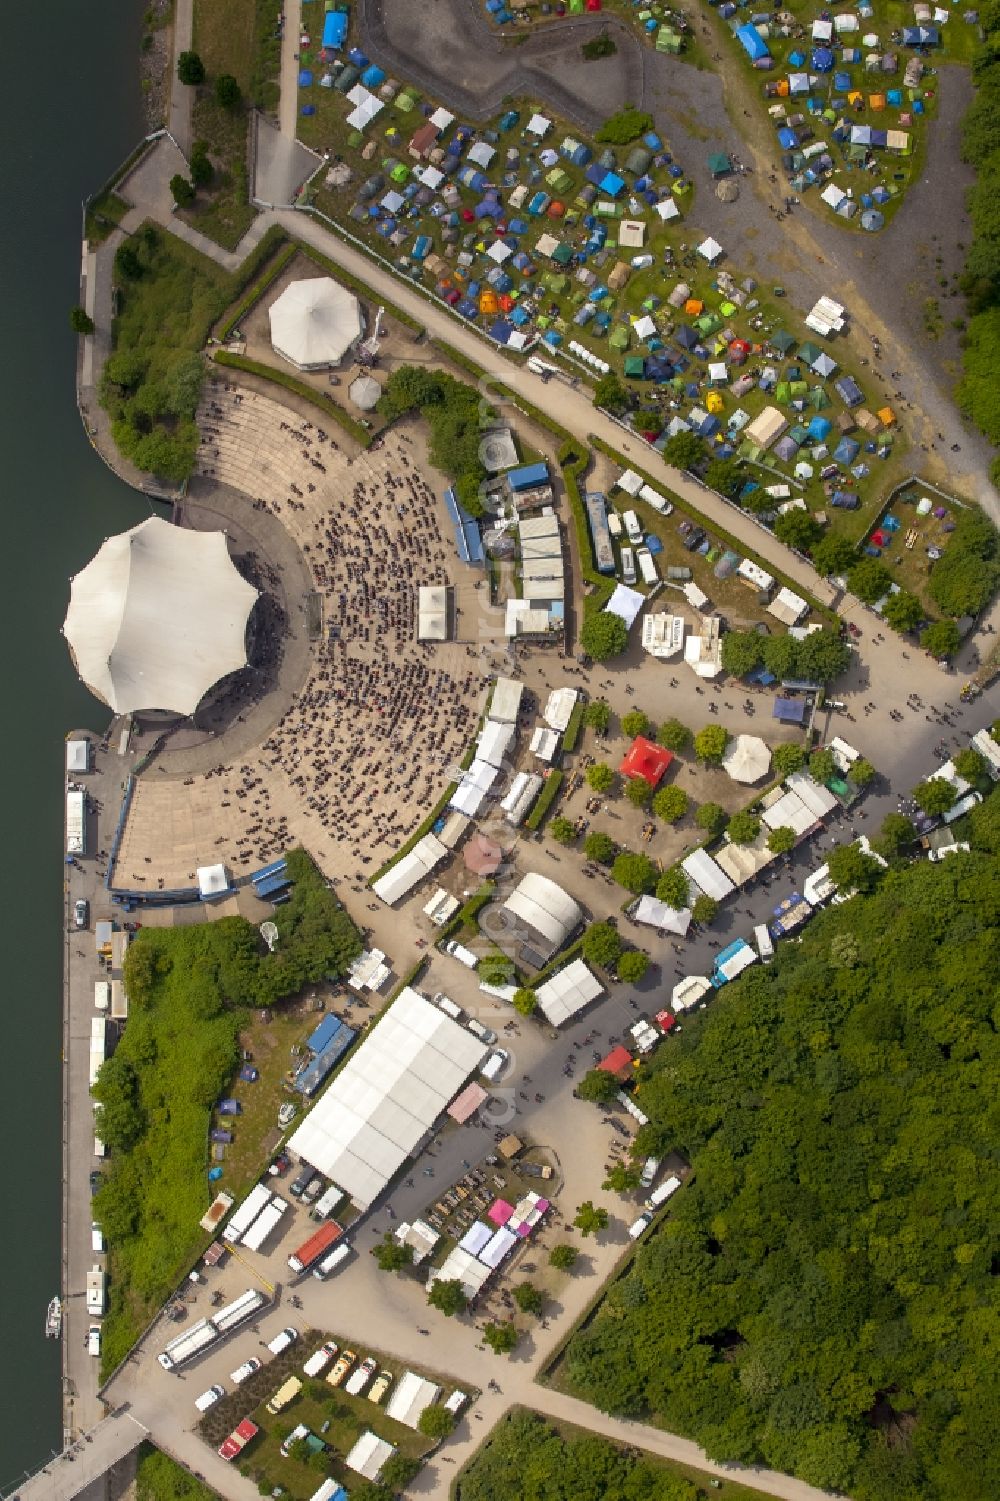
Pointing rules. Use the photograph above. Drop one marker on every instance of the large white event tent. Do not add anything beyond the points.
(387, 1096)
(315, 322)
(158, 617)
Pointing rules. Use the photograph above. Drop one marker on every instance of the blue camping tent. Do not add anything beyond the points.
(752, 42)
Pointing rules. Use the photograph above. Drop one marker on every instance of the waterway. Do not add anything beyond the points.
(70, 111)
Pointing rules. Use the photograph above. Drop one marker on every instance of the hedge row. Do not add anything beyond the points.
(358, 287)
(546, 798)
(258, 289)
(424, 828)
(574, 727)
(291, 383)
(573, 464)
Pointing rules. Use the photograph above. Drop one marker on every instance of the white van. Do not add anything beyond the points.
(330, 1263)
(964, 805)
(628, 565)
(495, 1065)
(281, 1341)
(461, 953)
(208, 1399)
(456, 1402)
(483, 1033)
(639, 1225)
(632, 526)
(765, 946)
(614, 524)
(647, 566)
(650, 1168)
(97, 1239)
(447, 1005)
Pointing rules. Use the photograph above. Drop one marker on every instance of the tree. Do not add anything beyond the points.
(862, 772)
(600, 777)
(597, 715)
(182, 384)
(601, 945)
(183, 192)
(710, 744)
(436, 1421)
(935, 796)
(788, 758)
(80, 321)
(781, 840)
(683, 450)
(796, 528)
(742, 651)
(632, 966)
(398, 1471)
(895, 834)
(781, 656)
(190, 68)
(725, 476)
(833, 554)
(625, 126)
(704, 910)
(903, 611)
(501, 1338)
(969, 764)
(202, 170)
(495, 969)
(673, 888)
(563, 830)
(851, 869)
(822, 656)
(390, 1256)
(636, 873)
(622, 1177)
(674, 736)
(525, 1001)
(612, 394)
(638, 791)
(564, 1257)
(670, 804)
(711, 817)
(822, 766)
(743, 827)
(128, 262)
(635, 722)
(447, 1296)
(941, 639)
(869, 579)
(600, 847)
(528, 1298)
(228, 92)
(590, 1218)
(604, 636)
(597, 1086)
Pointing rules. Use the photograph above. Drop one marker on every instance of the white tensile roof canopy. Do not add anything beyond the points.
(747, 759)
(158, 617)
(315, 322)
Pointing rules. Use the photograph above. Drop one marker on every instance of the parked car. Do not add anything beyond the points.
(342, 1367)
(279, 1167)
(81, 913)
(287, 1113)
(282, 1340)
(208, 1399)
(94, 1340)
(380, 1386)
(320, 1359)
(245, 1371)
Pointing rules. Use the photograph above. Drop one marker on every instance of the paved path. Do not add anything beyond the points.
(288, 108)
(181, 94)
(86, 1461)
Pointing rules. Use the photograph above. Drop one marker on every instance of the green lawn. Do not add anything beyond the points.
(103, 213)
(159, 1478)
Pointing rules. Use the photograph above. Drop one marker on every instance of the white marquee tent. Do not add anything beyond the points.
(387, 1096)
(747, 758)
(315, 322)
(158, 617)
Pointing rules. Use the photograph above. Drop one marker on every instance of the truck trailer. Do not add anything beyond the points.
(267, 1221)
(256, 1200)
(185, 1346)
(732, 961)
(236, 1313)
(316, 1246)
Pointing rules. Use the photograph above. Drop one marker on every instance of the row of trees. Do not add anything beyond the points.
(978, 392)
(818, 1300)
(819, 657)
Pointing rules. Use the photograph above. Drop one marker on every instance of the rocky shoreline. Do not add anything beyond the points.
(155, 54)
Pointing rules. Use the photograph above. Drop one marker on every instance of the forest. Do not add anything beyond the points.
(822, 1297)
(978, 391)
(191, 990)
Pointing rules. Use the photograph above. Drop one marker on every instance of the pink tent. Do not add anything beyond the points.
(500, 1211)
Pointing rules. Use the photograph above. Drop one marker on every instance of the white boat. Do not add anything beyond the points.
(53, 1319)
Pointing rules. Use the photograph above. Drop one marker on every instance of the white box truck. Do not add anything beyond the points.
(765, 945)
(97, 1293)
(236, 1313)
(268, 1220)
(255, 1201)
(647, 566)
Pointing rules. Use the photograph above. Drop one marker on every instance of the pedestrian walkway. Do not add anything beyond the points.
(86, 1461)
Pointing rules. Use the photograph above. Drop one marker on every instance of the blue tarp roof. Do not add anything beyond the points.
(312, 1076)
(789, 710)
(468, 541)
(527, 476)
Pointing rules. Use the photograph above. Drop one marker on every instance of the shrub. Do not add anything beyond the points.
(633, 966)
(638, 791)
(600, 847)
(670, 804)
(625, 126)
(601, 945)
(635, 722)
(673, 888)
(228, 92)
(781, 840)
(80, 321)
(547, 796)
(636, 873)
(600, 777)
(190, 68)
(597, 714)
(563, 1257)
(788, 758)
(704, 910)
(710, 744)
(525, 1001)
(941, 639)
(674, 736)
(563, 830)
(711, 817)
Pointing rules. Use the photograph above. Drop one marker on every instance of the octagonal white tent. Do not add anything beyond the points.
(747, 758)
(158, 617)
(315, 322)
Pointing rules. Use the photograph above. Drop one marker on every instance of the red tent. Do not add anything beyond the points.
(618, 1062)
(666, 1020)
(646, 759)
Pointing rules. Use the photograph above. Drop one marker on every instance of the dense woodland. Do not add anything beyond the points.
(822, 1297)
(190, 993)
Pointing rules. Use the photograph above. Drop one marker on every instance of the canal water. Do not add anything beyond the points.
(69, 113)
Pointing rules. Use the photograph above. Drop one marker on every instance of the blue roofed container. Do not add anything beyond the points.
(528, 476)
